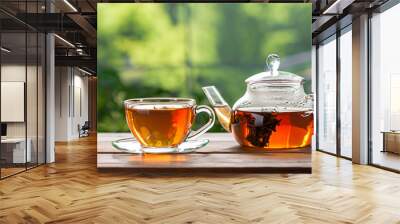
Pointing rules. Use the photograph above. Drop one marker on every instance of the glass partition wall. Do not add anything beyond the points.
(334, 94)
(13, 84)
(22, 98)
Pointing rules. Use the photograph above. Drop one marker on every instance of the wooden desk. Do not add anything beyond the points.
(222, 154)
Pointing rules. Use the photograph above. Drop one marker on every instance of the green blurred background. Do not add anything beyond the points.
(173, 49)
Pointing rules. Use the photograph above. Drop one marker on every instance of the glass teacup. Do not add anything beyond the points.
(160, 125)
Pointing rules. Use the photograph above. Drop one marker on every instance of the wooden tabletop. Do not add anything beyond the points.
(222, 154)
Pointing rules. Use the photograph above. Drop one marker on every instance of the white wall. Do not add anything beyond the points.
(13, 73)
(61, 103)
(71, 102)
(80, 110)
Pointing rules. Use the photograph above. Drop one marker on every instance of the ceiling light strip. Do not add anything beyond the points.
(337, 7)
(70, 5)
(64, 40)
(84, 71)
(326, 11)
(5, 50)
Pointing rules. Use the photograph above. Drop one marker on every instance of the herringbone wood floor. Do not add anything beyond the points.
(73, 191)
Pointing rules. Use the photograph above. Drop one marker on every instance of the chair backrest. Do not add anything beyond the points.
(86, 125)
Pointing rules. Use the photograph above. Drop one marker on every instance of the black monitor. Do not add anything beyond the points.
(3, 129)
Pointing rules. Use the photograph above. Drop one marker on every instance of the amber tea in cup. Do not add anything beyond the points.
(161, 124)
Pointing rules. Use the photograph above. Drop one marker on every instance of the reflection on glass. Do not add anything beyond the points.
(346, 94)
(385, 83)
(327, 96)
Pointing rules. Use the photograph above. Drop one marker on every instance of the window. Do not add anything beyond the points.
(326, 108)
(346, 93)
(385, 89)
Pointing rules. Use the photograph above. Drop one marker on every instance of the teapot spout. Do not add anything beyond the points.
(222, 109)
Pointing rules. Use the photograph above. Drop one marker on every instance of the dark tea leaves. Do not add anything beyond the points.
(260, 126)
(262, 129)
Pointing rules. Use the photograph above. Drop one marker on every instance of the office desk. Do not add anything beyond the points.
(15, 148)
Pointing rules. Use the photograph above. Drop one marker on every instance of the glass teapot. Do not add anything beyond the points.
(274, 112)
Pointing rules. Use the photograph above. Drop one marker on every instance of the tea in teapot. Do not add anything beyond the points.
(274, 113)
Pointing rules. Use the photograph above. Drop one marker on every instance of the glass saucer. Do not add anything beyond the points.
(132, 146)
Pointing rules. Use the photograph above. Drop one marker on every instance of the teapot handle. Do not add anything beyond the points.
(203, 109)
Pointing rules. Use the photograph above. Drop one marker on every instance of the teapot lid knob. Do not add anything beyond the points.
(273, 61)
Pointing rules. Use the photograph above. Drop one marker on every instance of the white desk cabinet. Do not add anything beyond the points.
(17, 146)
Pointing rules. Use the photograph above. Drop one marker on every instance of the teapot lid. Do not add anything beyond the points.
(274, 77)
